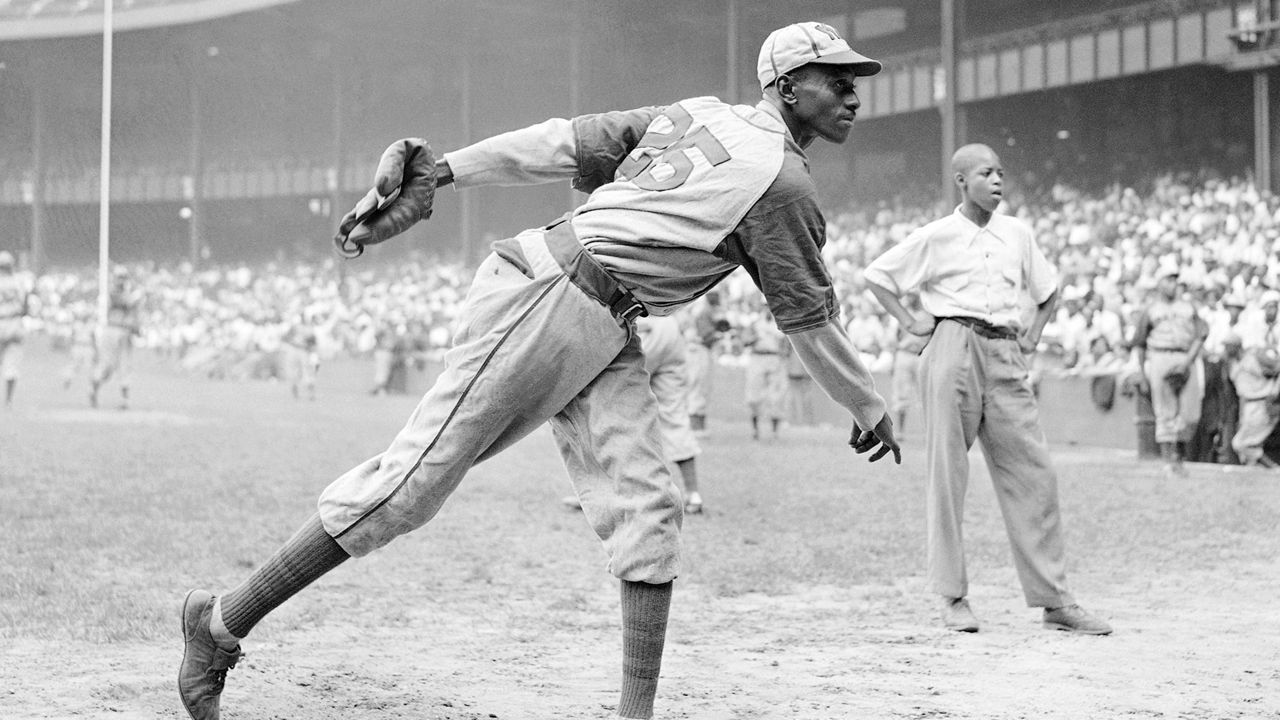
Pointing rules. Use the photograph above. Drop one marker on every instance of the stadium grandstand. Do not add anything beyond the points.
(243, 128)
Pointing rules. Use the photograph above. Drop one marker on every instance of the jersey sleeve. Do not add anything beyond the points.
(779, 243)
(603, 141)
(586, 150)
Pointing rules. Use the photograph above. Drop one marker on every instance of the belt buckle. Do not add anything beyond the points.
(633, 311)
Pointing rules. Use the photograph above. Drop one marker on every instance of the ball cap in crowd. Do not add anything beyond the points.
(1271, 297)
(808, 42)
(6, 259)
(1167, 271)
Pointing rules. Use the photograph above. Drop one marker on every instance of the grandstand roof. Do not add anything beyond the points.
(32, 19)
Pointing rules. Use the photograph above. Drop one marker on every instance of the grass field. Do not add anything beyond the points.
(803, 595)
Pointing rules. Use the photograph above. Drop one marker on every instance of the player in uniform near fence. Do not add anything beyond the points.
(663, 343)
(300, 358)
(905, 375)
(679, 197)
(975, 272)
(1169, 336)
(707, 326)
(113, 346)
(766, 375)
(14, 299)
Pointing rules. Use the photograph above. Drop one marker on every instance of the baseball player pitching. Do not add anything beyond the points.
(680, 196)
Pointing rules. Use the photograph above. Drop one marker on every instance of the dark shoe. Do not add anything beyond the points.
(1076, 619)
(957, 616)
(204, 664)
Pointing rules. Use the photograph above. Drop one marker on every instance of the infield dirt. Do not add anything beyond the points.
(803, 594)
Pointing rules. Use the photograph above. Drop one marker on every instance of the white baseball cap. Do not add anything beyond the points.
(808, 42)
(6, 259)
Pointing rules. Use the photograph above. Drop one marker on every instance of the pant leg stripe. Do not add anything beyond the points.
(462, 398)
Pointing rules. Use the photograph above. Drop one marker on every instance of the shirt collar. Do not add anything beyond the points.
(974, 229)
(767, 107)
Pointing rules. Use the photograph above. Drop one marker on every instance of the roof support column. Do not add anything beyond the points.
(953, 115)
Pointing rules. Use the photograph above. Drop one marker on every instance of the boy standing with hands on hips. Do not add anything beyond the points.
(975, 271)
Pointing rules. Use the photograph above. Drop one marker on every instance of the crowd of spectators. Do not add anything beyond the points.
(1222, 234)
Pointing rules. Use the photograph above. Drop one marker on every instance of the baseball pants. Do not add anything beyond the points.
(114, 353)
(977, 388)
(664, 354)
(10, 358)
(701, 364)
(766, 382)
(1177, 413)
(530, 346)
(1256, 423)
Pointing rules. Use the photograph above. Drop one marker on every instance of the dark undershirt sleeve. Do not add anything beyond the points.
(779, 243)
(603, 141)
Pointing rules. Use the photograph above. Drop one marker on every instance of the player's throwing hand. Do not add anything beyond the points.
(866, 440)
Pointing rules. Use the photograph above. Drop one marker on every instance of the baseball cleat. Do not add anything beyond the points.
(1076, 619)
(693, 506)
(204, 664)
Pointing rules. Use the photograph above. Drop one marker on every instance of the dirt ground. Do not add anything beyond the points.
(1194, 644)
(473, 620)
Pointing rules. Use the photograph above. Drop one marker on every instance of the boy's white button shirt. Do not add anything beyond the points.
(994, 273)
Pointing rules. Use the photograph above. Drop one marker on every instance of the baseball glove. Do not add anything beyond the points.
(404, 189)
(1176, 380)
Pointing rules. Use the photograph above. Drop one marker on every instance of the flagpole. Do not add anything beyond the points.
(104, 172)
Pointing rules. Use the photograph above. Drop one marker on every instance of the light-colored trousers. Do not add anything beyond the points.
(1256, 424)
(700, 365)
(528, 350)
(977, 388)
(1177, 414)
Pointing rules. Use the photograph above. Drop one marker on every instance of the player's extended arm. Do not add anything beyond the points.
(831, 360)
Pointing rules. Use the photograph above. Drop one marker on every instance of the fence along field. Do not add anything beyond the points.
(803, 595)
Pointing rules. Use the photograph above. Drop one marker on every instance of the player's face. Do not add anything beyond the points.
(826, 103)
(984, 183)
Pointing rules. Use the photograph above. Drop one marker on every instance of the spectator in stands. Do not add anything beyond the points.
(1254, 374)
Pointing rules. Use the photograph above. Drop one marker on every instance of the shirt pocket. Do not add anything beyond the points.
(1009, 281)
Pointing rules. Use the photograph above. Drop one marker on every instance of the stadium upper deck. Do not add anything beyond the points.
(234, 111)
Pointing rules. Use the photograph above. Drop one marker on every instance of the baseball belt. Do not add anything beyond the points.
(589, 275)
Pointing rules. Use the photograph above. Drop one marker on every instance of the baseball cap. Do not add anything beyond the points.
(1233, 300)
(6, 258)
(1167, 270)
(808, 42)
(1270, 297)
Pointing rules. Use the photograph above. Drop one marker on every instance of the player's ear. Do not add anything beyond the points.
(786, 87)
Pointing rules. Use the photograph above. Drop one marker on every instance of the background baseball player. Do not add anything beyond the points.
(14, 297)
(663, 343)
(113, 346)
(975, 271)
(1169, 336)
(766, 376)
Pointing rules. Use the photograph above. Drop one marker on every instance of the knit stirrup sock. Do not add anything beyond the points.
(644, 631)
(310, 553)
